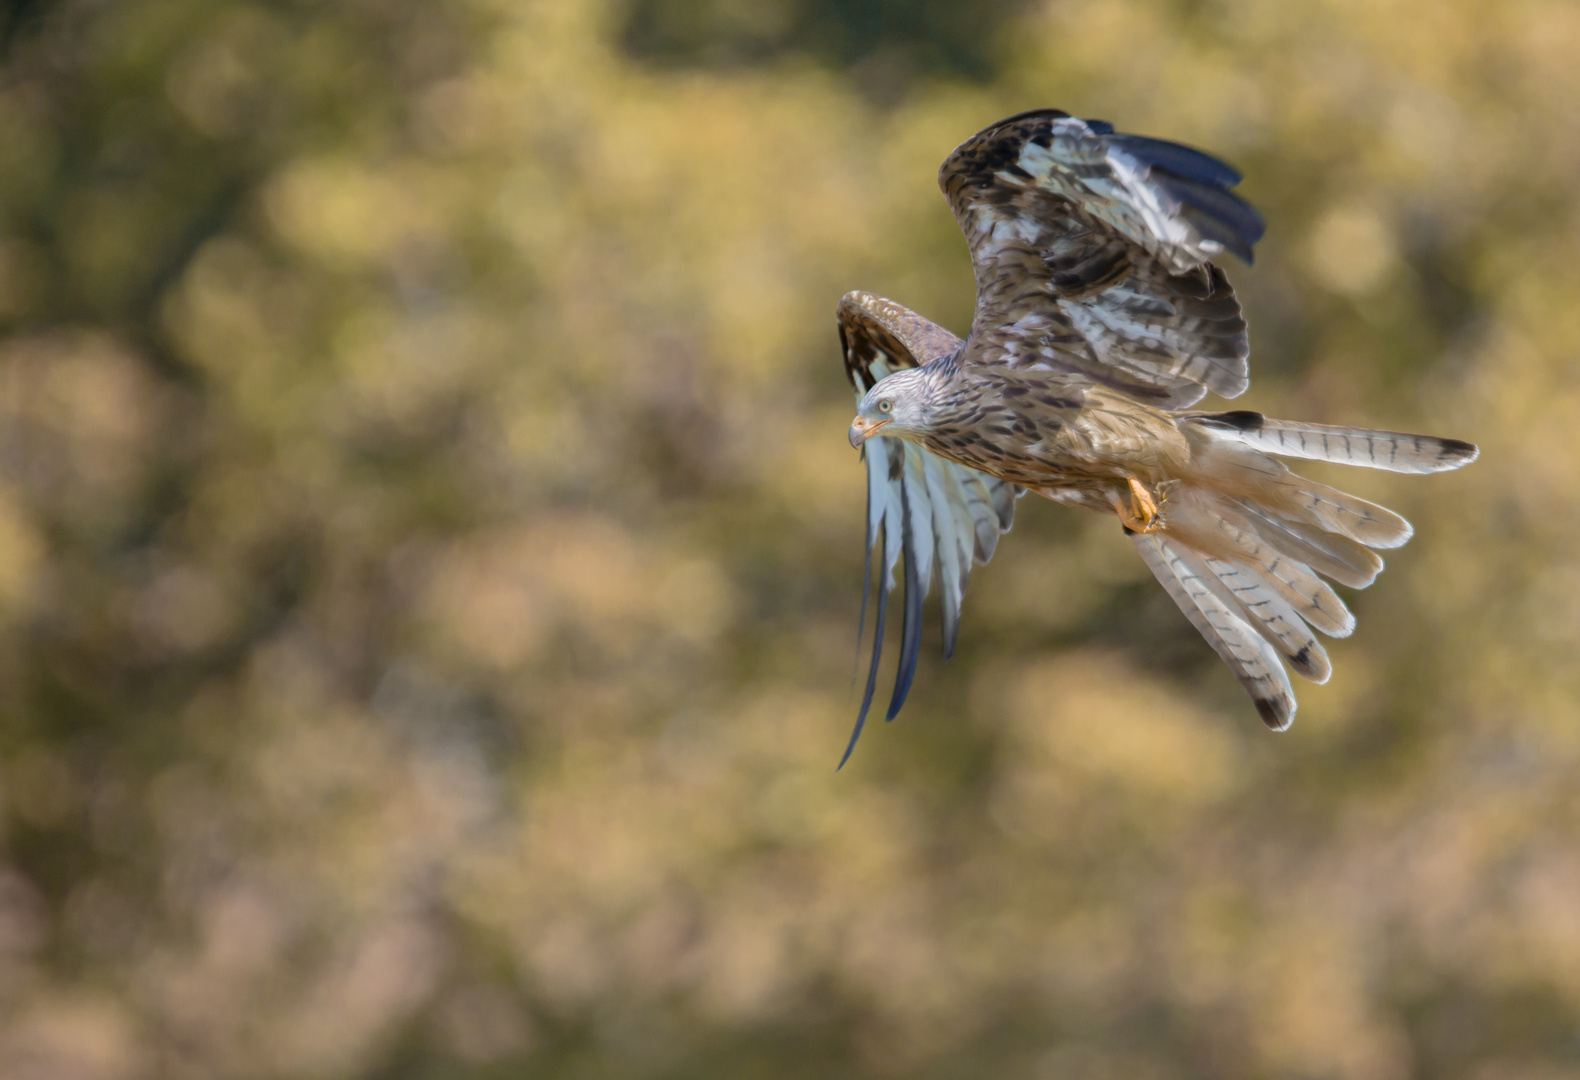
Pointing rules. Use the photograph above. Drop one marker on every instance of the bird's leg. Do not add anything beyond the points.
(1140, 513)
(1144, 506)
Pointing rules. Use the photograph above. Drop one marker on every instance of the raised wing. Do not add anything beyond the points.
(934, 512)
(1093, 254)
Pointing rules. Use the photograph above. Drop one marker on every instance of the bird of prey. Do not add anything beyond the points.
(1102, 316)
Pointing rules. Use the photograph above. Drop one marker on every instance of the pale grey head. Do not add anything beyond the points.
(902, 405)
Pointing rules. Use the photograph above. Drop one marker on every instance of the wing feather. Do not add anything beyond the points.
(946, 499)
(1093, 251)
(920, 507)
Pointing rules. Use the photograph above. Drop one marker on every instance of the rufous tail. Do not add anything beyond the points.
(1243, 541)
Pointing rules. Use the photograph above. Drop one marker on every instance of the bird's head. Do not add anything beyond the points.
(898, 405)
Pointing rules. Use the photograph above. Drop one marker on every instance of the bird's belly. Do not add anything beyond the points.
(1043, 464)
(1085, 443)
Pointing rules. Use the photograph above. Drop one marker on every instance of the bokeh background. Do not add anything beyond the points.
(429, 556)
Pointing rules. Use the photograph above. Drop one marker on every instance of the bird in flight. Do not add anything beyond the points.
(1101, 316)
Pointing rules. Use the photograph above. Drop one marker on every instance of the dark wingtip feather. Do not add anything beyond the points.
(1178, 159)
(911, 635)
(1217, 214)
(1051, 114)
(872, 673)
(951, 612)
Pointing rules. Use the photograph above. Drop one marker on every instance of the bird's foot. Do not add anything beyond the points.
(1140, 514)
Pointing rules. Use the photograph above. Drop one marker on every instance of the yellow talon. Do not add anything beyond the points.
(1141, 515)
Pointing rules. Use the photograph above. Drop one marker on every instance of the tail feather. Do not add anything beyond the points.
(1329, 554)
(1339, 512)
(1254, 662)
(1213, 526)
(1272, 617)
(1242, 473)
(1394, 451)
(1244, 538)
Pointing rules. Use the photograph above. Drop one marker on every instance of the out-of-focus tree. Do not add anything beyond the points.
(886, 45)
(429, 557)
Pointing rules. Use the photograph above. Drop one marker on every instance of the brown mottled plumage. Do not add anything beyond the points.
(1100, 317)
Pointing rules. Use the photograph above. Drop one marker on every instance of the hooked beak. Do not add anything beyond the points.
(862, 429)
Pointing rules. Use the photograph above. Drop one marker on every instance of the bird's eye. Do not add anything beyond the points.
(885, 405)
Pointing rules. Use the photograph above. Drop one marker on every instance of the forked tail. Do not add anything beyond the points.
(1244, 539)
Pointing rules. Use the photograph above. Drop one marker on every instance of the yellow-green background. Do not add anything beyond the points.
(429, 557)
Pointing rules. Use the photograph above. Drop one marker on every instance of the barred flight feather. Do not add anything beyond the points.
(920, 507)
(1392, 451)
(1329, 554)
(1273, 617)
(1254, 662)
(1210, 524)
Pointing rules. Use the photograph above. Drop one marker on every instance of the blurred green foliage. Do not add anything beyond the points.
(429, 556)
(886, 45)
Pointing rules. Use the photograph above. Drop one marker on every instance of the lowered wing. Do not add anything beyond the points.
(1093, 255)
(934, 512)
